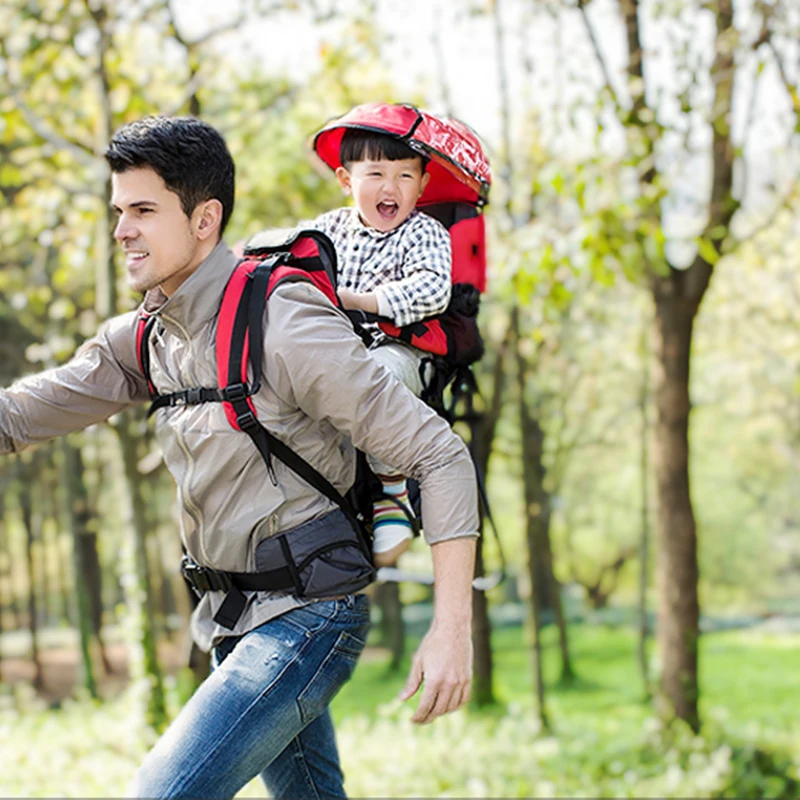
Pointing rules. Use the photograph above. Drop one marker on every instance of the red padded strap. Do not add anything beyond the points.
(434, 340)
(231, 300)
(141, 343)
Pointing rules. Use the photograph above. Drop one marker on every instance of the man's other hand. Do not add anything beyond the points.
(443, 666)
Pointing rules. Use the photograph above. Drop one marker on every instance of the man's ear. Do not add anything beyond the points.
(426, 176)
(343, 176)
(208, 218)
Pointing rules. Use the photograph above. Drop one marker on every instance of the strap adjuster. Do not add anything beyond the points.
(234, 392)
(193, 397)
(246, 420)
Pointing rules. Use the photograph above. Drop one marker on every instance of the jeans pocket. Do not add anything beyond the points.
(335, 670)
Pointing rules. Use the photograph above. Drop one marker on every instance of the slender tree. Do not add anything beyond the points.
(77, 516)
(678, 291)
(530, 435)
(26, 474)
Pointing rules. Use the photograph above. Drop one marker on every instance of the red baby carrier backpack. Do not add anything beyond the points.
(457, 191)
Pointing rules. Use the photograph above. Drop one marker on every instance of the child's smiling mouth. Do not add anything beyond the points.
(387, 209)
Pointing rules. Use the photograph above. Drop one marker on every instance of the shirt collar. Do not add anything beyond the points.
(355, 224)
(197, 299)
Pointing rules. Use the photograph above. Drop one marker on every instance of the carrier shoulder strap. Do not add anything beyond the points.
(239, 346)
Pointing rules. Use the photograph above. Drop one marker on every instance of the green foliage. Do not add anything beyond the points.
(606, 743)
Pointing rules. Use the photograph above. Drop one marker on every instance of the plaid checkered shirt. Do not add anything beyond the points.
(408, 268)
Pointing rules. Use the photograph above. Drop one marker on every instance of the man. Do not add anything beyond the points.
(264, 709)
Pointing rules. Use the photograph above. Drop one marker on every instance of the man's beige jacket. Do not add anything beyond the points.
(321, 394)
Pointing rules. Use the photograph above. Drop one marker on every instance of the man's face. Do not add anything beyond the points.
(160, 242)
(385, 192)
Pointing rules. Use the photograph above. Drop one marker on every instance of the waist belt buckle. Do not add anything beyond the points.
(204, 579)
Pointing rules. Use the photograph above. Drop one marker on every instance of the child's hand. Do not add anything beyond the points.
(358, 301)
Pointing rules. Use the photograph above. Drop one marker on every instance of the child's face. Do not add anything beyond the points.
(385, 192)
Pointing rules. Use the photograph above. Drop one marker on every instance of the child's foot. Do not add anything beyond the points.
(392, 528)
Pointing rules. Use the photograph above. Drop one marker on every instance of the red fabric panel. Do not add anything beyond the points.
(319, 279)
(227, 316)
(433, 340)
(459, 167)
(468, 242)
(140, 326)
(305, 248)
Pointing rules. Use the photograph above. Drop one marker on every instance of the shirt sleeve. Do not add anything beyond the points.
(324, 369)
(424, 290)
(100, 380)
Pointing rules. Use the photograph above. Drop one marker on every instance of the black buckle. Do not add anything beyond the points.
(193, 397)
(234, 392)
(204, 579)
(246, 420)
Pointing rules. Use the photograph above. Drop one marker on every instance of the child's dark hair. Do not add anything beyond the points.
(361, 145)
(190, 156)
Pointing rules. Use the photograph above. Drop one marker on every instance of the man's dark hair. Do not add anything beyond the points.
(361, 145)
(190, 156)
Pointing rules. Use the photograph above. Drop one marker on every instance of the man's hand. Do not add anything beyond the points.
(443, 663)
(444, 659)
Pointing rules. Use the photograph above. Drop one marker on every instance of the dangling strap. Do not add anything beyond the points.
(144, 327)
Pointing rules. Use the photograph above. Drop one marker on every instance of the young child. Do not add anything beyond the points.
(393, 261)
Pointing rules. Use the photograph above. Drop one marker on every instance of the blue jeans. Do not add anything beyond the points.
(264, 710)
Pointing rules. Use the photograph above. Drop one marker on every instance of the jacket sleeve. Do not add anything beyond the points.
(323, 368)
(101, 379)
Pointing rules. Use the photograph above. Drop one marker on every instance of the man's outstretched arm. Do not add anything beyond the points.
(101, 379)
(443, 662)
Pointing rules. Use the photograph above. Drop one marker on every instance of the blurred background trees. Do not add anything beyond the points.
(643, 356)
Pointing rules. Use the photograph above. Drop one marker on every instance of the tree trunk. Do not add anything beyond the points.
(483, 665)
(557, 605)
(678, 296)
(644, 538)
(393, 630)
(531, 445)
(93, 572)
(481, 438)
(678, 611)
(77, 519)
(26, 509)
(141, 600)
(40, 496)
(2, 593)
(8, 574)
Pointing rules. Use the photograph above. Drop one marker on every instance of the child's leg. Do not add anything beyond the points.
(391, 525)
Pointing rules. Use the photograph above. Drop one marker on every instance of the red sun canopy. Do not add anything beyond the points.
(458, 166)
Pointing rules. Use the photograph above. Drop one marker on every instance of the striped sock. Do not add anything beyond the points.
(390, 524)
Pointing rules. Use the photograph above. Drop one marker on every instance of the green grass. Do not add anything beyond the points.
(750, 675)
(606, 740)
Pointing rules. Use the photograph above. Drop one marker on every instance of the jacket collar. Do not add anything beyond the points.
(197, 299)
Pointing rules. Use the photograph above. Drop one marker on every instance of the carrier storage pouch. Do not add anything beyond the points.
(324, 556)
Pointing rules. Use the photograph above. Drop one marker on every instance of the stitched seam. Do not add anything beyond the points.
(306, 771)
(335, 650)
(212, 753)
